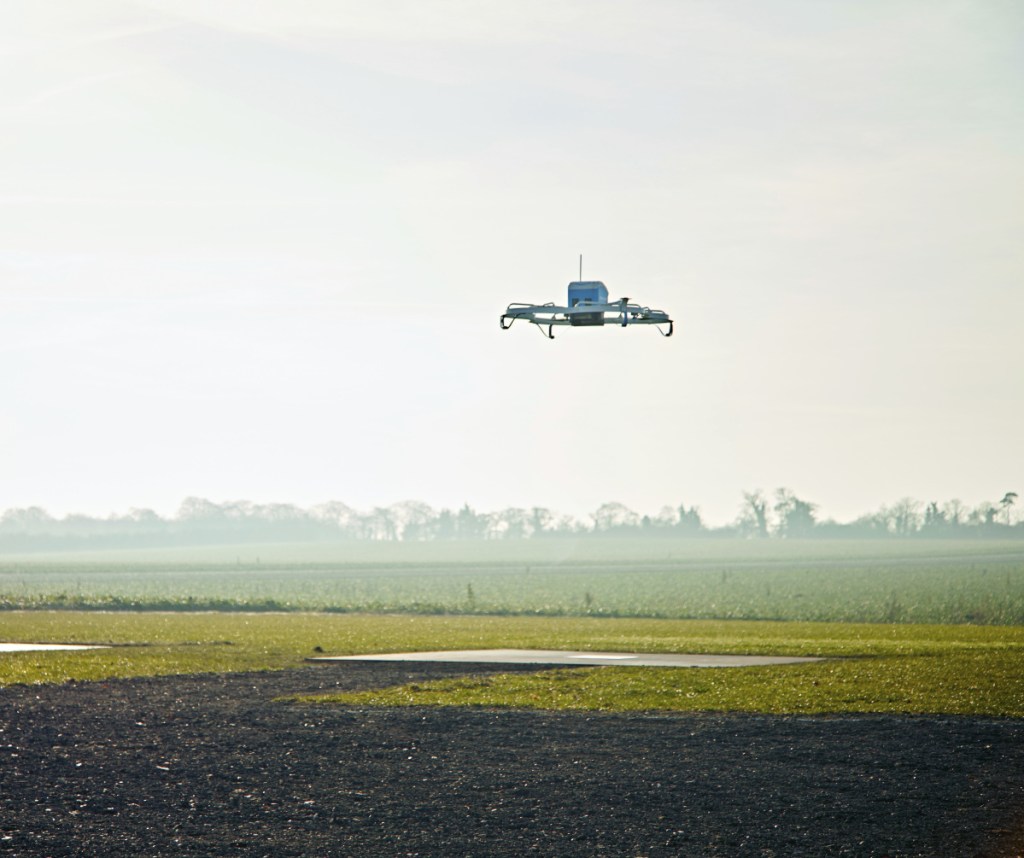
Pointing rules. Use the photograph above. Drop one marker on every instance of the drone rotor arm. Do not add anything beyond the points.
(550, 314)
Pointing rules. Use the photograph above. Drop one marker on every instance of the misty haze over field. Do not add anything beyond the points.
(781, 516)
(259, 251)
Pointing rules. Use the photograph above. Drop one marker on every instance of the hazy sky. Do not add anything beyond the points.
(259, 249)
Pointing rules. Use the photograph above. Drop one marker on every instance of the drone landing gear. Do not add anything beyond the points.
(585, 314)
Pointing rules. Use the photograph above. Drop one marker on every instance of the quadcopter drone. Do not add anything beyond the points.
(588, 307)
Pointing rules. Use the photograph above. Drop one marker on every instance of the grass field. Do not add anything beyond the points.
(977, 670)
(918, 581)
(912, 626)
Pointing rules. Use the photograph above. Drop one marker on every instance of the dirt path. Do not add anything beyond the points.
(213, 766)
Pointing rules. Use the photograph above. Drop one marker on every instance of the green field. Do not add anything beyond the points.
(977, 670)
(915, 581)
(910, 626)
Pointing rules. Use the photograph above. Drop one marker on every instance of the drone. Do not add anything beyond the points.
(588, 307)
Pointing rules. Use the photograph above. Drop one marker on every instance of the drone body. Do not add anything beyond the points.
(588, 306)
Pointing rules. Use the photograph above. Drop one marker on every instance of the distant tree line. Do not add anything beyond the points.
(782, 515)
(787, 516)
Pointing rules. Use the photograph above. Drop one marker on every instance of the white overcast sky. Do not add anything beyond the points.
(259, 249)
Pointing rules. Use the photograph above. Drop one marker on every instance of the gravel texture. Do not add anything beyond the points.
(213, 765)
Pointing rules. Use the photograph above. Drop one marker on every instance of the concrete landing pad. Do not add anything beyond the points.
(38, 647)
(552, 656)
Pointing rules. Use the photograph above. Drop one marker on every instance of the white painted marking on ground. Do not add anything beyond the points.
(42, 647)
(550, 656)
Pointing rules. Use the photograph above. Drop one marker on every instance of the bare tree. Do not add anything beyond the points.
(795, 517)
(443, 527)
(471, 525)
(541, 520)
(1009, 499)
(198, 509)
(511, 523)
(412, 519)
(335, 515)
(754, 517)
(955, 512)
(666, 517)
(689, 519)
(566, 524)
(905, 516)
(32, 519)
(984, 514)
(934, 519)
(616, 516)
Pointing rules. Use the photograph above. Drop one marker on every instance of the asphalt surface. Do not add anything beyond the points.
(214, 765)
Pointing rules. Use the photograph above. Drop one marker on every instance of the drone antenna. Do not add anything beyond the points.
(581, 267)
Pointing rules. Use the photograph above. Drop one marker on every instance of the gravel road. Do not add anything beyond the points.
(213, 765)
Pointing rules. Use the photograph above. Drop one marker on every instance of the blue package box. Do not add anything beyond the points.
(587, 292)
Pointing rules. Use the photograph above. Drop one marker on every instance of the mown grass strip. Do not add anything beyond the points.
(879, 668)
(980, 683)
